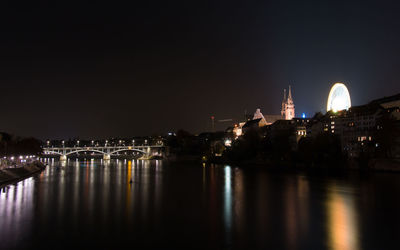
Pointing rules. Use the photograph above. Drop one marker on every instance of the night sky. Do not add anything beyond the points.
(103, 69)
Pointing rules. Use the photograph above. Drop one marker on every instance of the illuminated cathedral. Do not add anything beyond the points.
(287, 111)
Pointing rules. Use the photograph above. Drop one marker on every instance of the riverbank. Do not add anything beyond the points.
(392, 165)
(374, 164)
(10, 175)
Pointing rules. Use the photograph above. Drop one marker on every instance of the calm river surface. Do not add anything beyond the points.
(92, 204)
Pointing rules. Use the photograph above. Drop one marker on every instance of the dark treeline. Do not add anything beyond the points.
(256, 146)
(14, 145)
(184, 143)
(282, 148)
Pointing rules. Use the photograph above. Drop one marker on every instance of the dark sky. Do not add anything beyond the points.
(105, 69)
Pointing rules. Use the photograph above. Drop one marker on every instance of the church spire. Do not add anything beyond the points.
(284, 95)
(283, 110)
(290, 94)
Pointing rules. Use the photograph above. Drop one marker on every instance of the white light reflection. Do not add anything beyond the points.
(105, 189)
(228, 203)
(145, 186)
(76, 184)
(92, 190)
(61, 191)
(16, 212)
(158, 187)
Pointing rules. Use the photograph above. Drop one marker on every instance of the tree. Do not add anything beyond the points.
(327, 149)
(306, 150)
(246, 147)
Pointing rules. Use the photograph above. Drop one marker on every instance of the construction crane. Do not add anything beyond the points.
(226, 120)
(219, 121)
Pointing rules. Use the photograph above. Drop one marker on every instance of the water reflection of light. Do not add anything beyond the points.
(129, 187)
(118, 187)
(92, 189)
(61, 192)
(228, 203)
(145, 186)
(204, 177)
(303, 194)
(214, 215)
(75, 191)
(343, 231)
(105, 189)
(296, 210)
(238, 201)
(158, 187)
(292, 216)
(86, 185)
(16, 208)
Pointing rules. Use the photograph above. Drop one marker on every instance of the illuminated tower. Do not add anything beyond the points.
(287, 111)
(289, 106)
(283, 112)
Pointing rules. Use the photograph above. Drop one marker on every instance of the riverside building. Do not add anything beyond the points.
(360, 127)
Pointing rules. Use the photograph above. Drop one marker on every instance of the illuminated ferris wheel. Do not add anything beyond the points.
(339, 98)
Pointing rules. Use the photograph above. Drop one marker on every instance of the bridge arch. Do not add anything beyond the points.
(85, 150)
(52, 152)
(127, 149)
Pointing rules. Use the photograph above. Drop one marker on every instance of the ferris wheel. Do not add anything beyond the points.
(339, 98)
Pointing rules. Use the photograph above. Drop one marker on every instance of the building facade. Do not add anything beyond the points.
(359, 128)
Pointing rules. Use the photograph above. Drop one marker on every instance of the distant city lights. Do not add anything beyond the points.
(228, 142)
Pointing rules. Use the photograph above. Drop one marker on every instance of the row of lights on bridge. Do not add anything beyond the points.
(120, 142)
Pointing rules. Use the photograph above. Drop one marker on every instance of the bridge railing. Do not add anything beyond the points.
(105, 150)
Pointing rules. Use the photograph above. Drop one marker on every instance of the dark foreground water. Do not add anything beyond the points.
(92, 205)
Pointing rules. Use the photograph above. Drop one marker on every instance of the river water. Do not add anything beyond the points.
(154, 204)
